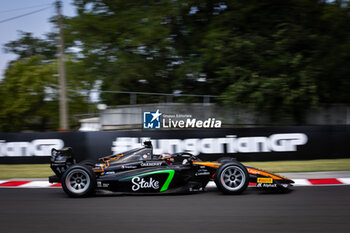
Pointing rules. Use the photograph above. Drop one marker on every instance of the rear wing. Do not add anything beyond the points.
(61, 160)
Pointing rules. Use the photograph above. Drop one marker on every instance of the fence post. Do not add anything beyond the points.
(133, 98)
(169, 98)
(206, 100)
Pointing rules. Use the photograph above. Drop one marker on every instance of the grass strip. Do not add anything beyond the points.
(9, 171)
(303, 166)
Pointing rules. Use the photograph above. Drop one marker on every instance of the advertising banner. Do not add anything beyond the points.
(245, 144)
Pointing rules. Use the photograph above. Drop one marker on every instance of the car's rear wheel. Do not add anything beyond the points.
(79, 181)
(232, 178)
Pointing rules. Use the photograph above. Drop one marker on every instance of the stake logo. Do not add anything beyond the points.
(151, 120)
(140, 183)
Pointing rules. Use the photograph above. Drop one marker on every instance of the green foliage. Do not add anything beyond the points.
(275, 57)
(26, 101)
(29, 91)
(27, 46)
(29, 95)
(127, 44)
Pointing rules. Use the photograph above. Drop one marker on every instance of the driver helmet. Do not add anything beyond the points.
(167, 157)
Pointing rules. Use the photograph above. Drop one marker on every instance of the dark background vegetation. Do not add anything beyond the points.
(276, 57)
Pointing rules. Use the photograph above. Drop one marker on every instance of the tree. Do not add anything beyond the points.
(127, 44)
(29, 91)
(275, 57)
(271, 56)
(27, 46)
(28, 98)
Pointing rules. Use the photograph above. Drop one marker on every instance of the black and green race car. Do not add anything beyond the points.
(140, 171)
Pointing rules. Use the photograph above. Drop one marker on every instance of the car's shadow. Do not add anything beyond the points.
(211, 190)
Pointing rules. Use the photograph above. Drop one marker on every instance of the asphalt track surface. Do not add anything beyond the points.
(306, 209)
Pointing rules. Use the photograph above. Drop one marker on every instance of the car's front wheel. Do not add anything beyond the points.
(232, 178)
(79, 181)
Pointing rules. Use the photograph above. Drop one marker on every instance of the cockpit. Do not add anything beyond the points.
(146, 153)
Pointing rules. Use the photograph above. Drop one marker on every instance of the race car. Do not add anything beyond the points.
(141, 171)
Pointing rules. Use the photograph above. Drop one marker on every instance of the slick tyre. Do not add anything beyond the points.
(79, 181)
(232, 178)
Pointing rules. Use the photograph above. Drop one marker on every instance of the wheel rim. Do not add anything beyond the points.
(233, 178)
(77, 181)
